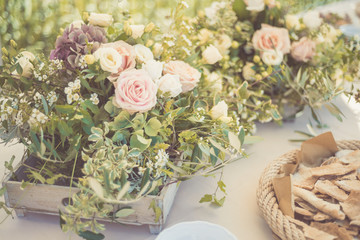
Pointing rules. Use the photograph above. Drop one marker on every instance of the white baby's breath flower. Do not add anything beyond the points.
(162, 158)
(69, 98)
(94, 98)
(211, 55)
(76, 97)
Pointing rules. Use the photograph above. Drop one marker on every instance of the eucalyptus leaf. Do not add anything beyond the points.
(88, 235)
(124, 212)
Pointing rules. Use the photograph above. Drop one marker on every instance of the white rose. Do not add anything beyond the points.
(137, 31)
(154, 68)
(312, 20)
(211, 55)
(247, 71)
(100, 19)
(255, 5)
(110, 59)
(292, 22)
(223, 44)
(143, 54)
(24, 59)
(214, 81)
(170, 84)
(272, 57)
(157, 49)
(77, 23)
(220, 111)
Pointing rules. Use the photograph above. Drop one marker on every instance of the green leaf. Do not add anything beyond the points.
(252, 139)
(145, 178)
(206, 198)
(88, 235)
(196, 154)
(46, 108)
(64, 129)
(242, 135)
(38, 177)
(275, 114)
(218, 202)
(124, 212)
(152, 127)
(239, 8)
(122, 120)
(222, 186)
(137, 141)
(66, 109)
(157, 213)
(243, 91)
(62, 221)
(2, 190)
(234, 141)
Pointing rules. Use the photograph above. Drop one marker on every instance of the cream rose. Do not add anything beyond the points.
(220, 111)
(189, 76)
(128, 56)
(24, 59)
(270, 38)
(247, 71)
(100, 19)
(137, 31)
(135, 91)
(110, 59)
(170, 84)
(312, 20)
(255, 5)
(272, 57)
(303, 50)
(223, 44)
(154, 68)
(143, 54)
(211, 55)
(292, 22)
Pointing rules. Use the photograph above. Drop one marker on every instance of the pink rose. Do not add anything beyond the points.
(135, 91)
(270, 38)
(189, 76)
(303, 50)
(128, 56)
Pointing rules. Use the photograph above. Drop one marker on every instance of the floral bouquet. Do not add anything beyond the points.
(270, 64)
(115, 114)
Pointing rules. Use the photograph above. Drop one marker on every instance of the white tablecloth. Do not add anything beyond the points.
(239, 214)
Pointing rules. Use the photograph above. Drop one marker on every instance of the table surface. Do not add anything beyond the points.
(240, 213)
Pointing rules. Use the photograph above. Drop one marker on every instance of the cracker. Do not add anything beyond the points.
(332, 229)
(303, 212)
(311, 232)
(351, 206)
(349, 185)
(326, 207)
(350, 157)
(327, 187)
(336, 169)
(329, 161)
(319, 217)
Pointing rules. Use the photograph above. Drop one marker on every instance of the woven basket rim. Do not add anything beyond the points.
(267, 202)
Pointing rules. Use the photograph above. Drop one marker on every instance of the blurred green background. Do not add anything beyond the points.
(35, 24)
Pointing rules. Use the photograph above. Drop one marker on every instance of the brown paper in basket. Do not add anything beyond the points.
(311, 153)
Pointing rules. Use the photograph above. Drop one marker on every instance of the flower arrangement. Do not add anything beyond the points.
(119, 111)
(268, 64)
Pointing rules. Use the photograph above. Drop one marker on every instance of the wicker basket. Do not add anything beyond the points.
(278, 222)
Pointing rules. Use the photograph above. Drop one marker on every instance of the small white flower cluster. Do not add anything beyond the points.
(94, 98)
(51, 98)
(82, 62)
(200, 112)
(37, 117)
(161, 159)
(72, 91)
(184, 4)
(169, 40)
(188, 42)
(41, 78)
(19, 118)
(56, 64)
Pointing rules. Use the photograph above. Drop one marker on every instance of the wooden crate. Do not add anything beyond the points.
(48, 199)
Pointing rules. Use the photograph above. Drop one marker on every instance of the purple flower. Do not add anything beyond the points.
(76, 42)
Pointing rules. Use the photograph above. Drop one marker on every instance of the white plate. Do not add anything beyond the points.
(197, 230)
